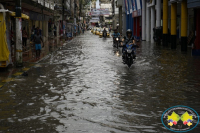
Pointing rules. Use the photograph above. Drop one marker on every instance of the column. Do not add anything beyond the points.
(184, 25)
(147, 24)
(158, 13)
(43, 27)
(124, 19)
(173, 25)
(127, 22)
(136, 27)
(46, 30)
(19, 60)
(152, 22)
(143, 20)
(120, 19)
(165, 22)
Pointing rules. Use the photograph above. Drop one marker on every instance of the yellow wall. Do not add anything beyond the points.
(184, 18)
(165, 16)
(173, 18)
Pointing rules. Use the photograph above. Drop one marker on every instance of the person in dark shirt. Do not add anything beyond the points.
(128, 39)
(24, 37)
(38, 40)
(104, 32)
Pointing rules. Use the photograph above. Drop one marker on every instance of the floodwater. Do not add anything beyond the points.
(85, 88)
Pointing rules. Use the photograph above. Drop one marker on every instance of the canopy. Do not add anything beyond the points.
(4, 10)
(24, 16)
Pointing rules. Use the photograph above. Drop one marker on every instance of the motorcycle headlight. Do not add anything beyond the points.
(129, 51)
(117, 39)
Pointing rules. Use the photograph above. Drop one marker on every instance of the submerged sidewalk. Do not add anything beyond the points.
(29, 59)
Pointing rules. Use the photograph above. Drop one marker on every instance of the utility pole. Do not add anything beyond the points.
(63, 11)
(18, 8)
(18, 34)
(74, 11)
(80, 2)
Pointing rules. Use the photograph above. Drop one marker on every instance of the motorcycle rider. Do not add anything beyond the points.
(128, 39)
(116, 34)
(104, 32)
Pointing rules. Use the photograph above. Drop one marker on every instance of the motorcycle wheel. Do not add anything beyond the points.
(129, 63)
(117, 45)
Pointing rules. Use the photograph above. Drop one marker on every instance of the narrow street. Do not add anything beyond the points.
(85, 87)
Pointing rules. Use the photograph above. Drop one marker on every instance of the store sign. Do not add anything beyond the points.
(42, 2)
(47, 4)
(52, 6)
(136, 13)
(100, 12)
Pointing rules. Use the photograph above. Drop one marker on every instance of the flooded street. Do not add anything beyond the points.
(85, 88)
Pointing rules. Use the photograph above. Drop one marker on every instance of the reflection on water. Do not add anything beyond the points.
(84, 87)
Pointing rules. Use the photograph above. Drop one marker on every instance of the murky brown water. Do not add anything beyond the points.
(84, 87)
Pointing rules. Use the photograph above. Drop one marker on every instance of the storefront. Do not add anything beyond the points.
(137, 24)
(69, 30)
(8, 35)
(195, 6)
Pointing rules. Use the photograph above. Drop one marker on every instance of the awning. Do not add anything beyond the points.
(24, 16)
(4, 51)
(4, 10)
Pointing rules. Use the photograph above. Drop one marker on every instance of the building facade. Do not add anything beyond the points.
(178, 20)
(194, 6)
(49, 16)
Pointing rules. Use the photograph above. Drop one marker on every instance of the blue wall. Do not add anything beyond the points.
(129, 22)
(193, 3)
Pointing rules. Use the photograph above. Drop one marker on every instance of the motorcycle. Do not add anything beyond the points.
(116, 42)
(104, 34)
(129, 54)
